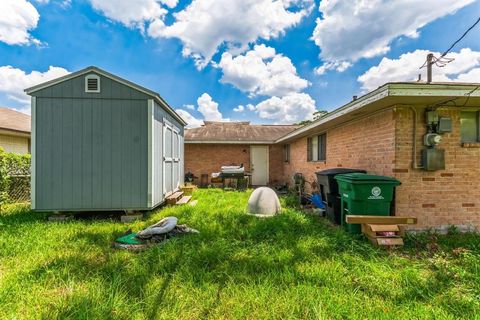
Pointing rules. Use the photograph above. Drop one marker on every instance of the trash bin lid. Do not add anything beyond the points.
(335, 171)
(362, 177)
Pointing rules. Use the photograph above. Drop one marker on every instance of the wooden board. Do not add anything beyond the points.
(172, 199)
(386, 241)
(375, 230)
(184, 200)
(380, 219)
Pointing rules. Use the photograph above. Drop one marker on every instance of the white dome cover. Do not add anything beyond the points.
(264, 202)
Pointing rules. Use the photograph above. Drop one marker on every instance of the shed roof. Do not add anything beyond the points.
(104, 73)
(13, 120)
(236, 132)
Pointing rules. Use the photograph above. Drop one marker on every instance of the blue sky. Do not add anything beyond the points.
(208, 81)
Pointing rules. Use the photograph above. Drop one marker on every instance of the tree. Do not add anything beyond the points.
(316, 115)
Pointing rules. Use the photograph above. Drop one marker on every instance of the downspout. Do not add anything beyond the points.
(414, 144)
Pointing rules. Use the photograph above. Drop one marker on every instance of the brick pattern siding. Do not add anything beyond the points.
(367, 143)
(276, 159)
(440, 198)
(208, 158)
(19, 145)
(382, 144)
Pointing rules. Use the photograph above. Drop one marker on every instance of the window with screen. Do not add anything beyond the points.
(317, 148)
(286, 152)
(469, 121)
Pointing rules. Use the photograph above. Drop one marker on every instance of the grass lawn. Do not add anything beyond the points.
(289, 266)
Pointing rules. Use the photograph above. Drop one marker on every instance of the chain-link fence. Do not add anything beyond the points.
(19, 189)
(14, 178)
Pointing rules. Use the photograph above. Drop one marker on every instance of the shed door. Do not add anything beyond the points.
(171, 158)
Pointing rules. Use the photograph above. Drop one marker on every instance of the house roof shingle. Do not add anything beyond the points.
(228, 132)
(14, 121)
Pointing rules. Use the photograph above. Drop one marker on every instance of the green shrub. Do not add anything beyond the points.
(11, 165)
(3, 177)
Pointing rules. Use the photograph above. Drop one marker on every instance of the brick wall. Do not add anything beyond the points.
(382, 144)
(208, 158)
(276, 164)
(441, 198)
(367, 143)
(14, 144)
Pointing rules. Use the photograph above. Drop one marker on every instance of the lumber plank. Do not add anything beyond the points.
(174, 198)
(184, 200)
(364, 219)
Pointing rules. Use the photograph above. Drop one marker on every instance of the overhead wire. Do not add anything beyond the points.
(460, 39)
(442, 61)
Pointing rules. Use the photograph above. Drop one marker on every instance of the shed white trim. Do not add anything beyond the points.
(151, 141)
(33, 151)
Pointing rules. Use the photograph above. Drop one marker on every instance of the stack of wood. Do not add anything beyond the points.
(387, 231)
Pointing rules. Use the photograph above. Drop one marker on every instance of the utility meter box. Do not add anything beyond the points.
(433, 159)
(444, 125)
(431, 117)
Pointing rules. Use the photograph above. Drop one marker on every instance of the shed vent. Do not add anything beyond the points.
(92, 83)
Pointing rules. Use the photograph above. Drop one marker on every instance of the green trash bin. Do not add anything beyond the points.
(364, 194)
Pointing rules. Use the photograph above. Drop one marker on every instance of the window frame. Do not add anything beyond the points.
(477, 126)
(286, 153)
(321, 148)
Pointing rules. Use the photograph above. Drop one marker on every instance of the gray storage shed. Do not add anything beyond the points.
(100, 142)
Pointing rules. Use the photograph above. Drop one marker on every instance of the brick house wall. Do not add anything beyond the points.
(367, 143)
(208, 158)
(276, 159)
(382, 144)
(441, 198)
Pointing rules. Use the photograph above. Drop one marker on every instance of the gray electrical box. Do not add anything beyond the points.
(433, 159)
(444, 125)
(431, 117)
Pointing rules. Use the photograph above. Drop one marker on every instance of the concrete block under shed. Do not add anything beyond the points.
(59, 217)
(131, 217)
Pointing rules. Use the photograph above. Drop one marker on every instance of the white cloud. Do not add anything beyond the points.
(209, 108)
(240, 108)
(288, 109)
(350, 30)
(133, 13)
(189, 106)
(261, 71)
(465, 67)
(191, 121)
(204, 25)
(17, 18)
(251, 107)
(13, 81)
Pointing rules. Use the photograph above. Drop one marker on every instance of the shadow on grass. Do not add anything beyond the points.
(232, 248)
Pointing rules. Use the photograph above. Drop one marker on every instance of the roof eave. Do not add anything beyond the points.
(392, 89)
(347, 108)
(227, 142)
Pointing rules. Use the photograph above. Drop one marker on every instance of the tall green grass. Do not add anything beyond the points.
(238, 267)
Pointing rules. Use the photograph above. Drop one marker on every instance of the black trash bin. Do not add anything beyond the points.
(329, 191)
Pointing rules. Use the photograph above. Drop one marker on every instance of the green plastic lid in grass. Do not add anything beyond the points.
(363, 177)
